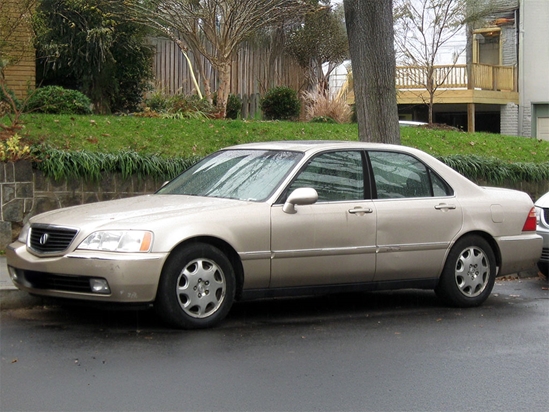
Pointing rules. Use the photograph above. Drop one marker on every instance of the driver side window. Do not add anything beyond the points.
(336, 176)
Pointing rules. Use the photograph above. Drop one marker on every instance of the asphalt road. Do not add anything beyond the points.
(384, 351)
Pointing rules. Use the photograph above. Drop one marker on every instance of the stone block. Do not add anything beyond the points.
(8, 193)
(107, 183)
(58, 185)
(24, 190)
(74, 184)
(9, 175)
(5, 234)
(67, 199)
(23, 171)
(2, 172)
(28, 206)
(44, 204)
(13, 211)
(124, 185)
(89, 197)
(40, 181)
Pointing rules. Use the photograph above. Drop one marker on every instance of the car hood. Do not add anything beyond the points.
(543, 201)
(135, 211)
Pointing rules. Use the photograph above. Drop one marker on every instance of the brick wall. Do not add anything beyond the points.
(509, 119)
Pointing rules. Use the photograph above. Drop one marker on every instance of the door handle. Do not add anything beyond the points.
(359, 210)
(444, 206)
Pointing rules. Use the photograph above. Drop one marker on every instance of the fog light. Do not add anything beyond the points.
(100, 286)
(13, 273)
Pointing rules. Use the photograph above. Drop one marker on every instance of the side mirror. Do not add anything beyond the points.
(301, 196)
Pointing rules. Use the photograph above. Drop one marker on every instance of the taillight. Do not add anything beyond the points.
(530, 224)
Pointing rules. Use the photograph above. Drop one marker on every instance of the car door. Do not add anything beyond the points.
(417, 217)
(333, 240)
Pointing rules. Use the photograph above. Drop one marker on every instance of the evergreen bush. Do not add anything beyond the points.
(234, 107)
(57, 100)
(281, 103)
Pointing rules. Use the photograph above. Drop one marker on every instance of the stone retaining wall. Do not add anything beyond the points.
(26, 192)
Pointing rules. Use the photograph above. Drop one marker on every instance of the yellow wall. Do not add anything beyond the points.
(20, 73)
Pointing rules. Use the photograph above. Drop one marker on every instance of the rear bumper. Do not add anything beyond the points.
(519, 253)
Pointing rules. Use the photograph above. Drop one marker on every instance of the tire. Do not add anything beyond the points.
(469, 273)
(196, 288)
(544, 268)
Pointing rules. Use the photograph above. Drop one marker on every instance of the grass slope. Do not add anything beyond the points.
(186, 138)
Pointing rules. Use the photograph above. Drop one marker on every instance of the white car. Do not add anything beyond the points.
(283, 218)
(542, 213)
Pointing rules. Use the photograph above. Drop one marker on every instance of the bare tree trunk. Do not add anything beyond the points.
(371, 44)
(224, 72)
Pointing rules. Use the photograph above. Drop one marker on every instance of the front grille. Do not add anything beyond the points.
(41, 280)
(545, 254)
(51, 239)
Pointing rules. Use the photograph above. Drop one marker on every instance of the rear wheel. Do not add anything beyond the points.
(197, 287)
(469, 273)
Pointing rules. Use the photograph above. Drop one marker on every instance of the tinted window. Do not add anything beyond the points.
(398, 175)
(235, 174)
(335, 176)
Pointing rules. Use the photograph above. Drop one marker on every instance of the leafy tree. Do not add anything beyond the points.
(91, 46)
(215, 29)
(371, 44)
(321, 40)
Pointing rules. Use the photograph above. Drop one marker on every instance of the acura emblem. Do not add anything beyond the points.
(44, 239)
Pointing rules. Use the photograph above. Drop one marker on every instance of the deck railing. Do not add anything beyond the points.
(482, 76)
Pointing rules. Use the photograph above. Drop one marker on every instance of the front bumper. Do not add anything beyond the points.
(544, 233)
(131, 277)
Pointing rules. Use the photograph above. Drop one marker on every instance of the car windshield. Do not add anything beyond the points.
(235, 174)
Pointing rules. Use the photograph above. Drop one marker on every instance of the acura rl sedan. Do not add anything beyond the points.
(283, 218)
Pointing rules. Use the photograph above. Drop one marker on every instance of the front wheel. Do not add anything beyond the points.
(196, 288)
(469, 273)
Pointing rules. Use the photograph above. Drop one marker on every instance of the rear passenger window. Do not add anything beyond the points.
(398, 175)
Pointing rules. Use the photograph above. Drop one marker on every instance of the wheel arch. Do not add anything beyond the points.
(224, 247)
(488, 238)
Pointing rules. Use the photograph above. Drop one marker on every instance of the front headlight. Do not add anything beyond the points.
(24, 234)
(119, 241)
(539, 211)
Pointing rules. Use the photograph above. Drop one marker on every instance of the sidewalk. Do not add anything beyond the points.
(10, 296)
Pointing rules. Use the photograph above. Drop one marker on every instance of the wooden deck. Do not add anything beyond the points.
(482, 84)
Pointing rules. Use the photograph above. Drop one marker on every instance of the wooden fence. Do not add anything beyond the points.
(254, 70)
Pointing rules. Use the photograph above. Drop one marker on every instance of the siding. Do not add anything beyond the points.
(20, 75)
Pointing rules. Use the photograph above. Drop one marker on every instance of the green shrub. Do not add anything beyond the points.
(234, 107)
(179, 106)
(281, 103)
(158, 102)
(57, 100)
(61, 164)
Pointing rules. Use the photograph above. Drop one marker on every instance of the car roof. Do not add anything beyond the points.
(315, 145)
